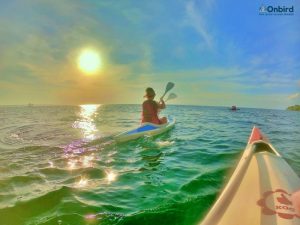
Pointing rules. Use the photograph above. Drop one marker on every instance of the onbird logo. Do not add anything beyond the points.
(263, 9)
(276, 10)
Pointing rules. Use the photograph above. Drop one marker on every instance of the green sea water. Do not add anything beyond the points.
(59, 165)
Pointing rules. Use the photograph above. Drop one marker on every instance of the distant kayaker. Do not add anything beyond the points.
(151, 108)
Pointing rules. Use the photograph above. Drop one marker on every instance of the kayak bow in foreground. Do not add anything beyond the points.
(259, 191)
(146, 129)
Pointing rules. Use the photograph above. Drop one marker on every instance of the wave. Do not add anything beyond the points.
(188, 212)
(22, 211)
(209, 182)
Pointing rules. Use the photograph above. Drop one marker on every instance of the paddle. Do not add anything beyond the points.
(169, 86)
(171, 96)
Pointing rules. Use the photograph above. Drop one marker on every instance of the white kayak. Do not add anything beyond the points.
(146, 129)
(259, 191)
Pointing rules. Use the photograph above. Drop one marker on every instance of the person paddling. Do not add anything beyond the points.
(151, 108)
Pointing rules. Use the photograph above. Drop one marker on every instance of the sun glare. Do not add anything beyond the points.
(89, 61)
(110, 176)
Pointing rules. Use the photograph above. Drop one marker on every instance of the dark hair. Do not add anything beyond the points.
(150, 92)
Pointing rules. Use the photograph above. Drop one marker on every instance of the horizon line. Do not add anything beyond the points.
(52, 104)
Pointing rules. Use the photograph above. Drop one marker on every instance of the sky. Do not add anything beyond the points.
(218, 53)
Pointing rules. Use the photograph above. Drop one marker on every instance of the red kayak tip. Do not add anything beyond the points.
(256, 135)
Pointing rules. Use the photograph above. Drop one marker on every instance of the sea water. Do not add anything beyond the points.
(60, 164)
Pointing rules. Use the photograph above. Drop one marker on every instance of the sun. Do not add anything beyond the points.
(89, 61)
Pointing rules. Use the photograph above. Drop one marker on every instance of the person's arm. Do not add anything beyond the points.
(161, 104)
(296, 201)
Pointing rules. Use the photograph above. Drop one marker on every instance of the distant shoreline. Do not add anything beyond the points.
(294, 108)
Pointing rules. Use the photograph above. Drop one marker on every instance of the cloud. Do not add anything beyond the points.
(293, 96)
(196, 20)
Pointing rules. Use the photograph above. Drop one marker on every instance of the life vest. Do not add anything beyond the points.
(150, 110)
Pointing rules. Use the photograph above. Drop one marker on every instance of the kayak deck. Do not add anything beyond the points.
(146, 129)
(259, 191)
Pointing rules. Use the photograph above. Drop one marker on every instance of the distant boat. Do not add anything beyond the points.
(234, 108)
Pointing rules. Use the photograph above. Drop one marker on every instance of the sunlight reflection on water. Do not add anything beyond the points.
(110, 176)
(82, 182)
(86, 121)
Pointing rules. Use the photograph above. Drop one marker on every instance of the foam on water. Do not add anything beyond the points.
(164, 143)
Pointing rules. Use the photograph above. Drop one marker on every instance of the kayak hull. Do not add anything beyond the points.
(259, 191)
(146, 129)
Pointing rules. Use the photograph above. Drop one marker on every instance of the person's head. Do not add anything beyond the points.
(149, 93)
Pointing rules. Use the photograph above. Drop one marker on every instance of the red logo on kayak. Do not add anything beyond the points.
(278, 202)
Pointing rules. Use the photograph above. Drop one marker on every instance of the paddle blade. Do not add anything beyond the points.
(171, 96)
(169, 86)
